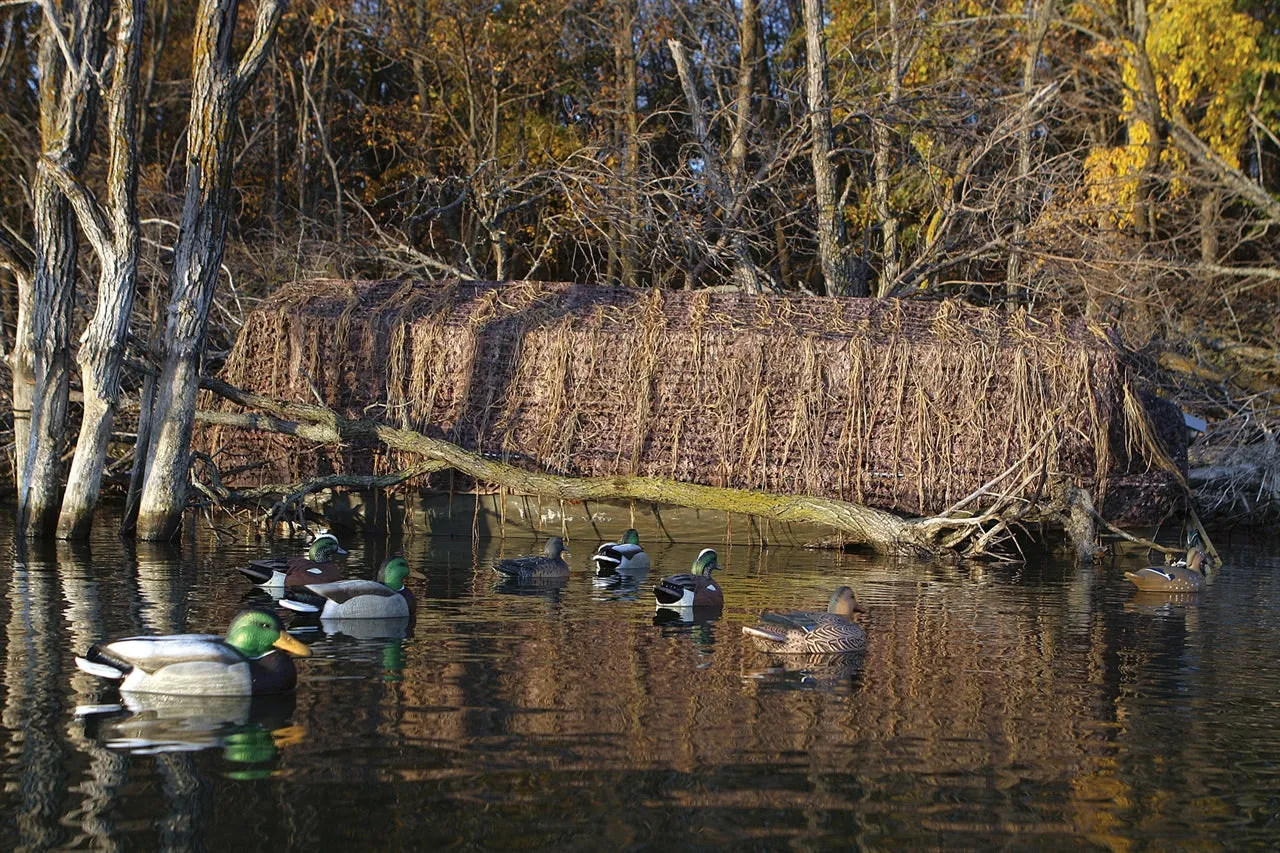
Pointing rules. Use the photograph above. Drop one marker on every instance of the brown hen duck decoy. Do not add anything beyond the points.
(808, 633)
(1186, 576)
(550, 564)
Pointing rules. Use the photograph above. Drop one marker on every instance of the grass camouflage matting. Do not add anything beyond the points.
(903, 405)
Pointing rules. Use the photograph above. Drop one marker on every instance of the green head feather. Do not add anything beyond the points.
(631, 537)
(393, 572)
(253, 632)
(706, 563)
(325, 549)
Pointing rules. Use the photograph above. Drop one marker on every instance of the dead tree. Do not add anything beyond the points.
(890, 262)
(746, 275)
(218, 84)
(69, 62)
(833, 240)
(113, 234)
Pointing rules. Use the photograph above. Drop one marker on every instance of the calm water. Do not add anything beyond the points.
(1046, 707)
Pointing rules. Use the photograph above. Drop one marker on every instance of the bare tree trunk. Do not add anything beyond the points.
(217, 87)
(747, 60)
(890, 263)
(20, 261)
(113, 233)
(1209, 206)
(833, 248)
(68, 107)
(745, 272)
(1036, 27)
(1152, 114)
(624, 53)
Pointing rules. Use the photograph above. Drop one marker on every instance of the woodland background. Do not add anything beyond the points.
(1117, 160)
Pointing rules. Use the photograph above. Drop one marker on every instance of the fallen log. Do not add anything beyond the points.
(883, 532)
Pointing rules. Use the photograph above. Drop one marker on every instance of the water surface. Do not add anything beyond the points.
(1028, 708)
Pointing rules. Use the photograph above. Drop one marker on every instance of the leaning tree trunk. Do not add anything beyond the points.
(42, 356)
(113, 233)
(833, 241)
(745, 272)
(217, 87)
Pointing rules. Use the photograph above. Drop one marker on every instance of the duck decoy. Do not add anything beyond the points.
(549, 564)
(1184, 576)
(385, 598)
(318, 566)
(626, 555)
(696, 589)
(254, 659)
(803, 632)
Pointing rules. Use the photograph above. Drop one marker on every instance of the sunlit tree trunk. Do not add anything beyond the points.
(113, 233)
(1038, 13)
(833, 248)
(218, 84)
(890, 264)
(69, 63)
(1152, 115)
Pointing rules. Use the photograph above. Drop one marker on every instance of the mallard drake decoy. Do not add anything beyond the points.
(252, 660)
(1185, 576)
(626, 555)
(549, 564)
(385, 598)
(318, 566)
(802, 632)
(692, 590)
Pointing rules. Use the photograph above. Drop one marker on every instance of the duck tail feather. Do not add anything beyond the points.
(298, 606)
(255, 573)
(94, 663)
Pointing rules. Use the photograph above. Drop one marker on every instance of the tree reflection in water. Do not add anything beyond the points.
(1044, 707)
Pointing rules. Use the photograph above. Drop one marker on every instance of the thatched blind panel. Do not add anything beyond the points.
(901, 405)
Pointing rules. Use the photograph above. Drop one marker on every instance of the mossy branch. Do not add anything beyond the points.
(880, 530)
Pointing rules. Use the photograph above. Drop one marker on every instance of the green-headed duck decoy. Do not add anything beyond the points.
(696, 589)
(385, 598)
(254, 659)
(318, 566)
(626, 555)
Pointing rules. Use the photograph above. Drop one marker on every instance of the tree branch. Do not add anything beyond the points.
(93, 219)
(265, 27)
(1232, 178)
